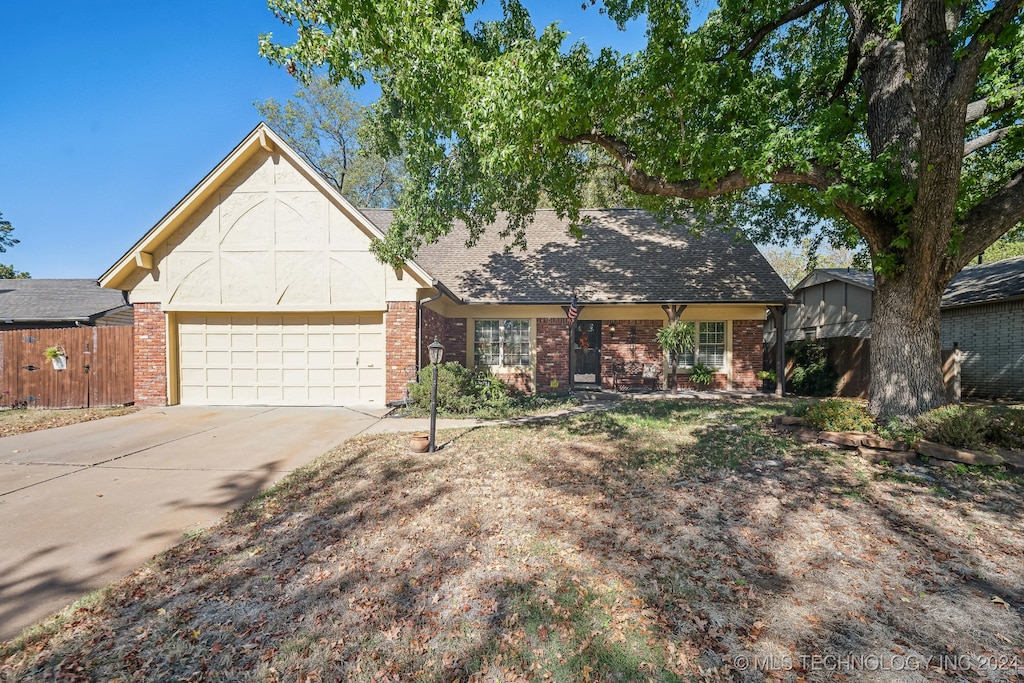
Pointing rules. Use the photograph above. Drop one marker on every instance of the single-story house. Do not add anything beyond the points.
(51, 303)
(982, 316)
(259, 288)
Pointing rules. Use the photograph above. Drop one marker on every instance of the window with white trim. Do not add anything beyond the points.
(709, 345)
(501, 343)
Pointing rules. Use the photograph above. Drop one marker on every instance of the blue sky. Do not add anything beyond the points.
(112, 111)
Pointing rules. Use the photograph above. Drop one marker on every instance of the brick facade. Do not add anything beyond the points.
(150, 355)
(991, 340)
(747, 353)
(399, 348)
(451, 332)
(552, 355)
(632, 341)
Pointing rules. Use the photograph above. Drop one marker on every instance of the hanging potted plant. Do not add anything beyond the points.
(58, 356)
(676, 338)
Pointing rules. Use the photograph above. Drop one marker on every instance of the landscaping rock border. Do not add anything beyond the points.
(876, 449)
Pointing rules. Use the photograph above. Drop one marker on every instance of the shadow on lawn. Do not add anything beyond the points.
(920, 589)
(605, 545)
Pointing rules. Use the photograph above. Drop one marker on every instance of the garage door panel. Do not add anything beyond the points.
(321, 359)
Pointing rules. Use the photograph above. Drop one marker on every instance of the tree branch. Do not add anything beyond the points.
(979, 108)
(992, 218)
(642, 183)
(868, 224)
(757, 37)
(981, 42)
(852, 59)
(982, 141)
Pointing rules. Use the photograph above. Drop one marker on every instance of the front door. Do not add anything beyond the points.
(586, 352)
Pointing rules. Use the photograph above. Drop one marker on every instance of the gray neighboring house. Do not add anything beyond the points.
(49, 303)
(982, 315)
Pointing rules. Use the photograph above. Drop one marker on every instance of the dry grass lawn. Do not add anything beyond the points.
(19, 421)
(657, 541)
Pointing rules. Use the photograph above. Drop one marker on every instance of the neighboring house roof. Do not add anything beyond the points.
(49, 301)
(978, 284)
(986, 283)
(625, 256)
(861, 278)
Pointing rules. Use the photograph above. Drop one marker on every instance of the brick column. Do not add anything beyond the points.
(552, 355)
(399, 347)
(451, 332)
(150, 355)
(747, 353)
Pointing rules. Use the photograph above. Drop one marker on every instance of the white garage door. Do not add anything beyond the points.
(286, 360)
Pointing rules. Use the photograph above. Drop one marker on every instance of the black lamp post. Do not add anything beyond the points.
(436, 351)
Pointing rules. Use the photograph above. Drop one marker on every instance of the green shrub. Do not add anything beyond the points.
(837, 415)
(900, 429)
(456, 389)
(799, 409)
(957, 426)
(1006, 428)
(460, 391)
(702, 374)
(813, 375)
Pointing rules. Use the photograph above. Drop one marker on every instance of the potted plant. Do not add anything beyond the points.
(702, 375)
(767, 378)
(58, 356)
(675, 338)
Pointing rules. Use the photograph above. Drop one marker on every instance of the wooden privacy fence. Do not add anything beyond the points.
(98, 373)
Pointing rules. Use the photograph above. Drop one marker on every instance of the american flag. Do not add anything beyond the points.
(574, 309)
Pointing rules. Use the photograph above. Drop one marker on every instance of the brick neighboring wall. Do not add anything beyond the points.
(991, 339)
(150, 335)
(552, 355)
(747, 353)
(451, 332)
(399, 347)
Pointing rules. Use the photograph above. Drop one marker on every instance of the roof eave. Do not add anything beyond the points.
(640, 302)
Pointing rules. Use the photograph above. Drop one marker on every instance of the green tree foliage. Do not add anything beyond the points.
(1009, 245)
(892, 124)
(794, 264)
(7, 240)
(8, 272)
(331, 131)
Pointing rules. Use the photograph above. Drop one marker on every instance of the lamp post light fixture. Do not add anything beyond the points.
(436, 351)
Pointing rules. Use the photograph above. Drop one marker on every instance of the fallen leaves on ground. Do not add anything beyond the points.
(23, 420)
(658, 541)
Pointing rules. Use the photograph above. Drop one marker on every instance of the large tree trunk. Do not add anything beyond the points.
(906, 358)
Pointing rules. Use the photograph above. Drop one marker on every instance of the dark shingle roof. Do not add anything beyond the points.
(865, 278)
(625, 256)
(986, 283)
(35, 300)
(980, 284)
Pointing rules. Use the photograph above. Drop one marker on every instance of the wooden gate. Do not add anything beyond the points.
(98, 373)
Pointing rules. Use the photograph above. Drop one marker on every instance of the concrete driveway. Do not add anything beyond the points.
(86, 504)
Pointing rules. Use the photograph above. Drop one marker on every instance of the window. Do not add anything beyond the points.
(501, 343)
(709, 345)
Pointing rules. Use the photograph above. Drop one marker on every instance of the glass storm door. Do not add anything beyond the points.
(586, 352)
